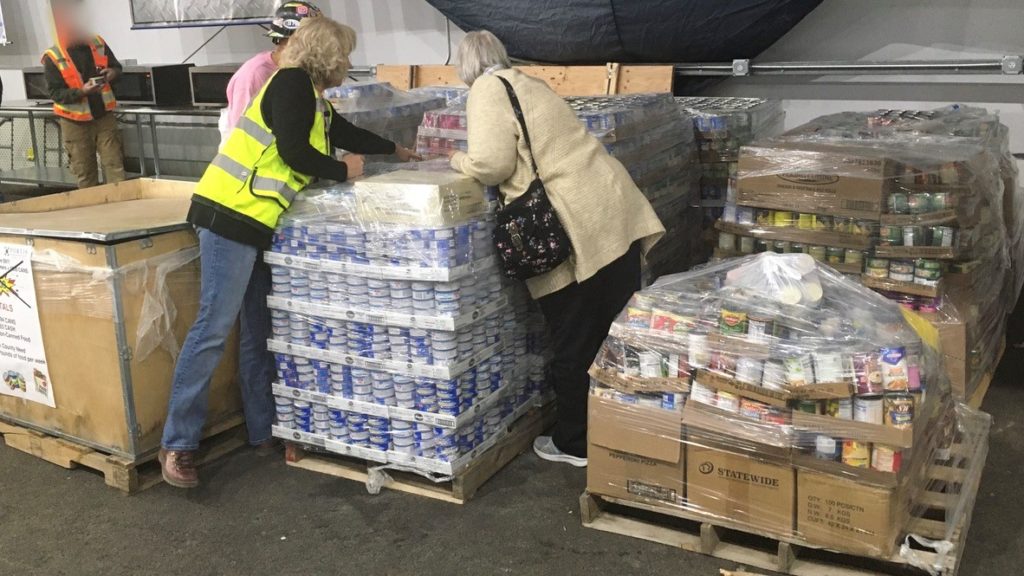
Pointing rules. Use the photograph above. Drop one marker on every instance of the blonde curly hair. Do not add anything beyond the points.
(321, 47)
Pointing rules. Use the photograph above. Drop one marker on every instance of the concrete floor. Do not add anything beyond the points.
(256, 516)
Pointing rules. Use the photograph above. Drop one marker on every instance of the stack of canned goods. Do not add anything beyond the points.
(919, 236)
(363, 331)
(724, 125)
(380, 108)
(392, 343)
(921, 271)
(425, 247)
(652, 138)
(759, 342)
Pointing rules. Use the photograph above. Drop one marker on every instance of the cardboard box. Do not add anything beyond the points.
(825, 180)
(845, 516)
(635, 452)
(742, 490)
(419, 198)
(970, 340)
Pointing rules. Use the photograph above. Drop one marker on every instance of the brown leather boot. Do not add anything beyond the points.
(179, 468)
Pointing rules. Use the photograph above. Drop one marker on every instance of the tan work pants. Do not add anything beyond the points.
(83, 140)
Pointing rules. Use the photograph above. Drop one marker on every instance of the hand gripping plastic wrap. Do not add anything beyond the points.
(397, 339)
(650, 136)
(772, 395)
(384, 110)
(912, 202)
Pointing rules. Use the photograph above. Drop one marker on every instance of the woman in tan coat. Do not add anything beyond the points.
(610, 223)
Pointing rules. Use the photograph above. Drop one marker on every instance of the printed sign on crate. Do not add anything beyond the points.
(22, 355)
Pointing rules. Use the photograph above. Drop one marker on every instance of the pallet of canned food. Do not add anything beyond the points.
(398, 342)
(772, 395)
(723, 125)
(912, 203)
(650, 136)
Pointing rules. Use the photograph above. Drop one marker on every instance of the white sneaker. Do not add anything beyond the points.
(545, 448)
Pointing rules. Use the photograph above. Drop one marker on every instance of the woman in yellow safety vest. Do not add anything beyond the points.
(282, 142)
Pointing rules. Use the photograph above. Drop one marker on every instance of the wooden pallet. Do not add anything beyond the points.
(126, 475)
(696, 532)
(459, 489)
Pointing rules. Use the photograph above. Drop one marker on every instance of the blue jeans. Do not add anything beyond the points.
(235, 281)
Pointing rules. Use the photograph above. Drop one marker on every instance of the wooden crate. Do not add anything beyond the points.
(125, 243)
(125, 475)
(565, 80)
(696, 532)
(459, 489)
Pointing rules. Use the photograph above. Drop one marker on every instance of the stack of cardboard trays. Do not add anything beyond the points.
(650, 136)
(397, 339)
(722, 125)
(772, 395)
(922, 206)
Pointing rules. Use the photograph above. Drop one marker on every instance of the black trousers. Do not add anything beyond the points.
(579, 317)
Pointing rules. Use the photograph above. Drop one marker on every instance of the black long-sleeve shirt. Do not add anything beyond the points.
(289, 109)
(81, 55)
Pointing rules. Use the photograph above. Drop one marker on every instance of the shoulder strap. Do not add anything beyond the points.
(518, 109)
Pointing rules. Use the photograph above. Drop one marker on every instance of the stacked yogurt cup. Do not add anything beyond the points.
(397, 342)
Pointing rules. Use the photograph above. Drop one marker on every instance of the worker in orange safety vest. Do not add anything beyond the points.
(80, 68)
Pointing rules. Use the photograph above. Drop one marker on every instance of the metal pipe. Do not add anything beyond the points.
(156, 145)
(142, 145)
(1004, 65)
(35, 146)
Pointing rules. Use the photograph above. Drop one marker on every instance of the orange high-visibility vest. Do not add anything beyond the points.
(80, 111)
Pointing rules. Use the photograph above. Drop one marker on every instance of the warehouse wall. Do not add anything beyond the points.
(410, 31)
(391, 31)
(904, 30)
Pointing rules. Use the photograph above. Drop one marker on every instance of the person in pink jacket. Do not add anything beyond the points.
(251, 77)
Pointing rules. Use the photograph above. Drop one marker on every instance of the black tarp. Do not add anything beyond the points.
(599, 31)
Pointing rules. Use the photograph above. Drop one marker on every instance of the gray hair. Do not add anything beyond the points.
(478, 52)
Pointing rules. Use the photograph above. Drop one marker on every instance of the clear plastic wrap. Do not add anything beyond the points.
(382, 109)
(397, 339)
(913, 203)
(773, 395)
(723, 125)
(65, 285)
(453, 95)
(652, 138)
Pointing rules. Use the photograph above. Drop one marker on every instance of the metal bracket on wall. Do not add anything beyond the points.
(741, 67)
(1013, 65)
(146, 243)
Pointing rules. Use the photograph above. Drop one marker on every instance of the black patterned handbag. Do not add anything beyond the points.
(528, 235)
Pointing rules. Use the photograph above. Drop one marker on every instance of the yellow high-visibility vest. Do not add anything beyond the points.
(249, 177)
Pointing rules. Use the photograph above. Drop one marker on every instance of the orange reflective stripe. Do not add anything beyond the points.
(76, 112)
(99, 52)
(109, 101)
